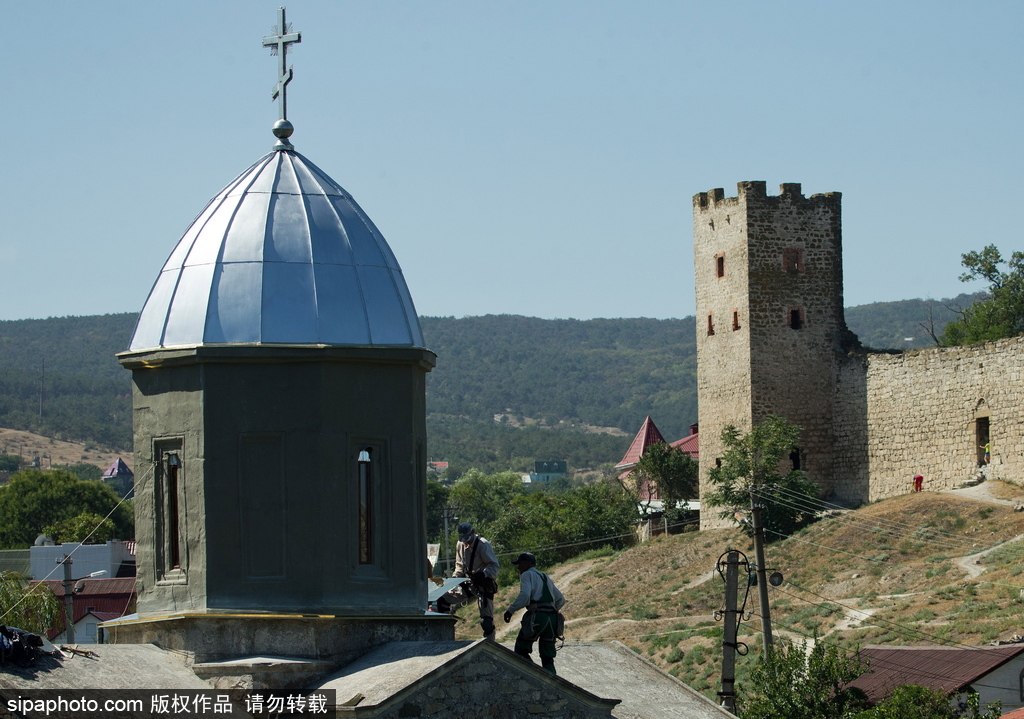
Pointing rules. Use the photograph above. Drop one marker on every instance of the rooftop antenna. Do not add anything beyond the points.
(278, 44)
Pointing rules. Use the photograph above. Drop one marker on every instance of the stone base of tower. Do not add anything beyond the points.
(273, 651)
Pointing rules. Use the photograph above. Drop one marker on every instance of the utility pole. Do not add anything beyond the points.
(69, 611)
(762, 579)
(728, 693)
(448, 513)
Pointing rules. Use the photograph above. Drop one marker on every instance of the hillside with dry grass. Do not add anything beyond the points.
(929, 568)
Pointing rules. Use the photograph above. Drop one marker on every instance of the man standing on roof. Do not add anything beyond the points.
(542, 600)
(475, 559)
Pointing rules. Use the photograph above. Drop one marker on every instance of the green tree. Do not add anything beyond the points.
(557, 527)
(86, 525)
(33, 608)
(914, 702)
(9, 462)
(672, 472)
(750, 470)
(481, 498)
(437, 500)
(999, 315)
(794, 683)
(35, 499)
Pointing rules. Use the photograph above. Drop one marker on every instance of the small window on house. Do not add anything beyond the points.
(735, 320)
(793, 260)
(720, 265)
(365, 479)
(711, 324)
(796, 318)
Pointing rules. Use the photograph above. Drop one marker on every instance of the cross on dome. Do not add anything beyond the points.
(278, 44)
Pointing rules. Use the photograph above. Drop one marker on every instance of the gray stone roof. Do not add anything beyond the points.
(646, 692)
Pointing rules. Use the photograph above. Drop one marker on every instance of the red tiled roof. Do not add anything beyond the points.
(124, 586)
(647, 436)
(689, 444)
(1015, 714)
(946, 669)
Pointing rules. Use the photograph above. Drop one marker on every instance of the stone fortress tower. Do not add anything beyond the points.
(770, 326)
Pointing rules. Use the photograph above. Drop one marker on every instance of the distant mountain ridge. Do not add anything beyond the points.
(603, 372)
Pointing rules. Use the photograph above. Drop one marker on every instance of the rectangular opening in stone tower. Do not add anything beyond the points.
(720, 265)
(365, 479)
(169, 509)
(796, 320)
(981, 438)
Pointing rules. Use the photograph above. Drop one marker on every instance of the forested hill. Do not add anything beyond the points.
(550, 374)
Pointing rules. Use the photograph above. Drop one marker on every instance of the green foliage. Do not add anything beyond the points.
(887, 325)
(33, 608)
(914, 702)
(606, 372)
(493, 447)
(481, 498)
(1001, 313)
(86, 525)
(437, 500)
(557, 527)
(751, 467)
(35, 499)
(9, 462)
(671, 470)
(792, 683)
(82, 470)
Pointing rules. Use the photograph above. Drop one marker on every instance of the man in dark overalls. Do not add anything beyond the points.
(542, 600)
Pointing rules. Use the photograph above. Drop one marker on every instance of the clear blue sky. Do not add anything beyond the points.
(524, 157)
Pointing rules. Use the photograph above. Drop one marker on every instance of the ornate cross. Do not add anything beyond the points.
(278, 44)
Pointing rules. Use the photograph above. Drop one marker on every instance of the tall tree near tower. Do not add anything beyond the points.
(751, 471)
(1001, 314)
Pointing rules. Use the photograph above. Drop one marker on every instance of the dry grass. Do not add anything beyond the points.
(55, 451)
(887, 573)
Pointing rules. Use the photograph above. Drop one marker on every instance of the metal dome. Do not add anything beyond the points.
(283, 255)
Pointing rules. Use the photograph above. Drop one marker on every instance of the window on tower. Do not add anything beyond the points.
(735, 320)
(796, 318)
(711, 324)
(793, 260)
(720, 265)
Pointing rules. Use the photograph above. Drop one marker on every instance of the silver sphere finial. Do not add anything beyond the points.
(282, 131)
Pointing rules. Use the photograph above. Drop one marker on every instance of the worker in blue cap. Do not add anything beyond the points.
(474, 559)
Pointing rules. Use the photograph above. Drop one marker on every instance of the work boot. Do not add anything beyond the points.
(548, 665)
(443, 607)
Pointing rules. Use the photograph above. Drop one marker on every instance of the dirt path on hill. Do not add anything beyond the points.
(986, 492)
(972, 563)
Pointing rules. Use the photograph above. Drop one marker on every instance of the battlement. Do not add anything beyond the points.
(756, 191)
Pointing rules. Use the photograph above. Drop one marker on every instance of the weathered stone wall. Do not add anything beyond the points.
(487, 689)
(918, 413)
(769, 277)
(723, 358)
(768, 273)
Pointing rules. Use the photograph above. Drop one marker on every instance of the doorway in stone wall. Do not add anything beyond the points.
(981, 438)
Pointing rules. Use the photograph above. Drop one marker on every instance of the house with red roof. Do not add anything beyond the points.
(650, 434)
(93, 601)
(996, 673)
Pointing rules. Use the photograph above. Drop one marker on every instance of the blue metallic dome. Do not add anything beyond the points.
(283, 255)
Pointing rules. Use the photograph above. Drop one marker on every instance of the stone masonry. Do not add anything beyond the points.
(772, 338)
(770, 324)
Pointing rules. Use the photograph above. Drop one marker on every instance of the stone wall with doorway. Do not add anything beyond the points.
(927, 412)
